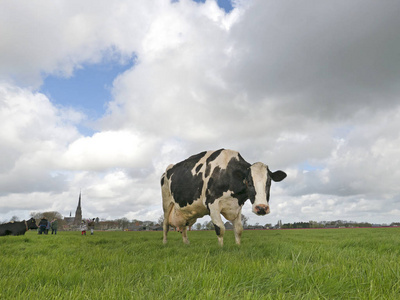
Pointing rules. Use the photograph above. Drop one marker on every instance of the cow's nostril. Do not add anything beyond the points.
(262, 210)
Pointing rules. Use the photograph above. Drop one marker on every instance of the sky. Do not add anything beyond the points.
(99, 97)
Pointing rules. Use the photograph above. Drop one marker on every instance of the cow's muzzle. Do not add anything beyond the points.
(262, 209)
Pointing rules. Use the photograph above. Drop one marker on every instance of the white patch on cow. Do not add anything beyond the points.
(202, 161)
(259, 173)
(221, 161)
(228, 207)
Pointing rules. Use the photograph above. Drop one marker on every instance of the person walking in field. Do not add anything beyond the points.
(91, 226)
(83, 227)
(42, 226)
(54, 226)
(47, 227)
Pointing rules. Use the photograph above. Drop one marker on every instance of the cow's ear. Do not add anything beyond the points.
(277, 175)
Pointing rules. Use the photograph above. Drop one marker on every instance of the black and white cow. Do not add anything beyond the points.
(17, 228)
(214, 183)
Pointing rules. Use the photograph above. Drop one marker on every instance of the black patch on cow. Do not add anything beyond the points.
(250, 187)
(268, 188)
(199, 168)
(162, 180)
(191, 161)
(217, 229)
(232, 178)
(185, 187)
(213, 156)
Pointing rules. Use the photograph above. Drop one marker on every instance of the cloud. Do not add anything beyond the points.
(46, 38)
(109, 149)
(34, 133)
(332, 57)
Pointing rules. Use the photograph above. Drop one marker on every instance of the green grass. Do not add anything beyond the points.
(274, 264)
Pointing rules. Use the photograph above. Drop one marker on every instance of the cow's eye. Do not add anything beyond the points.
(249, 183)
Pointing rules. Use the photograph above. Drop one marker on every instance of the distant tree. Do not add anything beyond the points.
(148, 223)
(14, 219)
(314, 224)
(208, 225)
(49, 215)
(137, 222)
(123, 223)
(161, 220)
(244, 220)
(197, 226)
(286, 226)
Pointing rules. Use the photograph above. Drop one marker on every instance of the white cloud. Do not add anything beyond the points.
(109, 149)
(34, 133)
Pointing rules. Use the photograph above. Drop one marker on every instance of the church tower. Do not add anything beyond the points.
(78, 213)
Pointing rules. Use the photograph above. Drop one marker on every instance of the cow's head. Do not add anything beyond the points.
(259, 184)
(31, 224)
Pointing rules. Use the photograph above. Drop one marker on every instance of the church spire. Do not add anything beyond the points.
(78, 213)
(79, 202)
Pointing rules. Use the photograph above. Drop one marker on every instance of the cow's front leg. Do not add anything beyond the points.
(218, 225)
(237, 228)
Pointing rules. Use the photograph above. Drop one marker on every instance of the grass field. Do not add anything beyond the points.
(270, 264)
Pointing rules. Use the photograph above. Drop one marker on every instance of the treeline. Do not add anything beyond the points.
(125, 224)
(49, 215)
(331, 224)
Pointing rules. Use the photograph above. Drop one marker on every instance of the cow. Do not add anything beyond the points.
(214, 183)
(17, 228)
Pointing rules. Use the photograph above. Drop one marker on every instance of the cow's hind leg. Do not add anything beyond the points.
(167, 212)
(184, 235)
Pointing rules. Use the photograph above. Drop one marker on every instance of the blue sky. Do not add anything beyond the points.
(88, 90)
(103, 95)
(89, 87)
